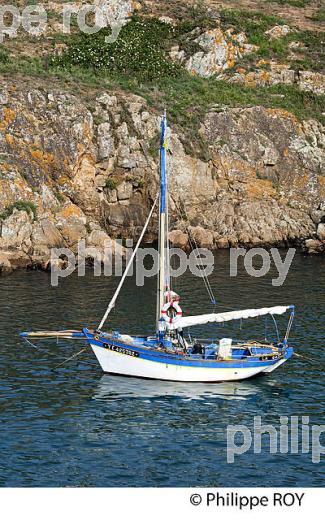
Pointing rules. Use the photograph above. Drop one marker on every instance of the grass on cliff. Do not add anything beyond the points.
(254, 24)
(187, 98)
(143, 44)
(138, 62)
(319, 16)
(4, 55)
(293, 3)
(140, 49)
(20, 205)
(313, 57)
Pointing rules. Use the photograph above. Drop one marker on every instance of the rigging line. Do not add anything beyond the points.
(205, 278)
(70, 358)
(265, 335)
(44, 351)
(40, 349)
(119, 287)
(276, 327)
(305, 357)
(193, 241)
(286, 337)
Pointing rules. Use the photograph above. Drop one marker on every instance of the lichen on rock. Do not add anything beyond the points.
(92, 177)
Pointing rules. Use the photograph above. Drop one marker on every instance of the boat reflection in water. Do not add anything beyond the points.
(115, 387)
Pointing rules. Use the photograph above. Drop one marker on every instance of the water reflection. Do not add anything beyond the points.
(115, 387)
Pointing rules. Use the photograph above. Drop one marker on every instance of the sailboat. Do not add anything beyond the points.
(170, 354)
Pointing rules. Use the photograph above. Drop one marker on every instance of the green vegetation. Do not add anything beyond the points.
(26, 65)
(140, 50)
(187, 97)
(21, 205)
(293, 3)
(253, 23)
(153, 146)
(59, 196)
(110, 184)
(4, 56)
(195, 16)
(313, 53)
(319, 16)
(139, 62)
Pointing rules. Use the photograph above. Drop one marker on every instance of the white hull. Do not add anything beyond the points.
(270, 369)
(116, 363)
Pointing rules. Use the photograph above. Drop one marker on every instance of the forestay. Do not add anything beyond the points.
(190, 321)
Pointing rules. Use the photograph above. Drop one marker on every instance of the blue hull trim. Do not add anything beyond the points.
(176, 359)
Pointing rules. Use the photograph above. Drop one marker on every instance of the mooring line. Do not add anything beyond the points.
(59, 357)
(305, 357)
(72, 357)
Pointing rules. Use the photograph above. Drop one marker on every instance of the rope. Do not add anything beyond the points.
(119, 287)
(205, 278)
(58, 357)
(289, 326)
(40, 349)
(192, 238)
(265, 335)
(276, 327)
(305, 357)
(72, 357)
(194, 246)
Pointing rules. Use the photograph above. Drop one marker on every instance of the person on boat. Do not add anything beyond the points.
(197, 348)
(171, 296)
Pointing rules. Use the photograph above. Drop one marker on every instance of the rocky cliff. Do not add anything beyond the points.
(82, 163)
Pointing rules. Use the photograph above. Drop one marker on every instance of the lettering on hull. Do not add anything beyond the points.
(121, 350)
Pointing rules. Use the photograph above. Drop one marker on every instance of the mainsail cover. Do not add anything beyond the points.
(190, 321)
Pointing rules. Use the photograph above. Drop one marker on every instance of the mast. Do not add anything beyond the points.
(163, 275)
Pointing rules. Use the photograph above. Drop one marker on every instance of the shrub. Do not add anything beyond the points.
(110, 184)
(21, 205)
(319, 16)
(293, 3)
(140, 50)
(195, 16)
(253, 23)
(313, 41)
(4, 56)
